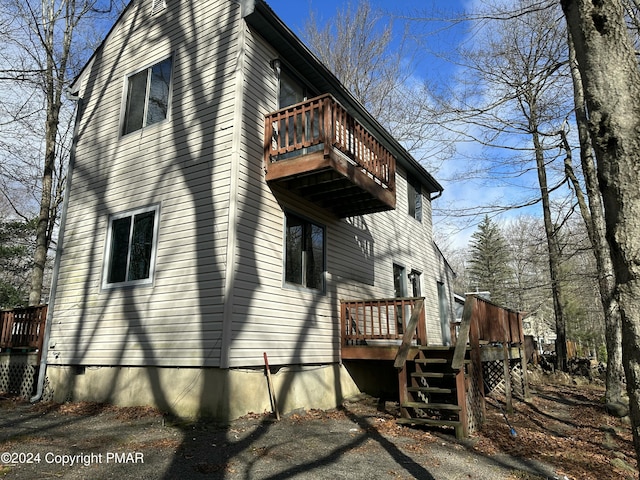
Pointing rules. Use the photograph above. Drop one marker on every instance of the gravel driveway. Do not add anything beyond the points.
(360, 441)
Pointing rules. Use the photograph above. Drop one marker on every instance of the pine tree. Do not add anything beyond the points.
(17, 242)
(489, 262)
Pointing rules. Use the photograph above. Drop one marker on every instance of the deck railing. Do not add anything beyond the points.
(23, 328)
(364, 321)
(494, 324)
(321, 124)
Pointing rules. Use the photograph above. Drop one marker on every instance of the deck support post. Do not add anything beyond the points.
(403, 392)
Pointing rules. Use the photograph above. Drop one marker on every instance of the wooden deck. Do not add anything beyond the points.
(22, 328)
(438, 385)
(319, 151)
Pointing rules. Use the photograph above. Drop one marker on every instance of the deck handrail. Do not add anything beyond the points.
(23, 327)
(403, 351)
(495, 324)
(323, 123)
(463, 334)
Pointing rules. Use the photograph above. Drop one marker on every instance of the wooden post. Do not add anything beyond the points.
(474, 342)
(328, 125)
(505, 352)
(405, 346)
(507, 378)
(461, 393)
(523, 360)
(422, 327)
(343, 324)
(402, 390)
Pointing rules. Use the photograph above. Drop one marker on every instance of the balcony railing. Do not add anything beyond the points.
(380, 321)
(22, 328)
(321, 130)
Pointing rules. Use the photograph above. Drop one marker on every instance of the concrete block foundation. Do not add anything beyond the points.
(219, 394)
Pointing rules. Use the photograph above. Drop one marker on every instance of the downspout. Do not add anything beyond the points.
(438, 195)
(56, 264)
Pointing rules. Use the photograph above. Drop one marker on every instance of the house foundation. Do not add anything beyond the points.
(219, 394)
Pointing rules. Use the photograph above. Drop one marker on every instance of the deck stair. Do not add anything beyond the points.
(432, 392)
(438, 385)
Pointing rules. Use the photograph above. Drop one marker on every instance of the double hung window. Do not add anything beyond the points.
(131, 246)
(148, 96)
(304, 253)
(414, 199)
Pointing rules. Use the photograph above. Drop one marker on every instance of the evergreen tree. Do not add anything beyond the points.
(489, 262)
(17, 242)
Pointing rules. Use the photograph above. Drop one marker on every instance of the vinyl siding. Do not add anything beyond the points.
(183, 164)
(296, 325)
(292, 325)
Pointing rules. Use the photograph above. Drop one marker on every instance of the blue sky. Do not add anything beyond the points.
(295, 13)
(437, 37)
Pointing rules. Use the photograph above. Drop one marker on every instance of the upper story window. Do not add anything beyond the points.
(304, 253)
(148, 96)
(131, 246)
(414, 199)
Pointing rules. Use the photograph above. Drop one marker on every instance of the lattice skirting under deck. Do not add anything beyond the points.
(494, 381)
(475, 401)
(18, 379)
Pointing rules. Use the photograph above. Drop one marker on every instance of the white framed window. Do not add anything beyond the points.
(416, 287)
(148, 96)
(304, 253)
(414, 199)
(132, 239)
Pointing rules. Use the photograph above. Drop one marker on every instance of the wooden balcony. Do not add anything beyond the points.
(317, 150)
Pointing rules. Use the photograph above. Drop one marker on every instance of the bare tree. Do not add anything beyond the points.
(513, 99)
(40, 38)
(611, 81)
(592, 212)
(376, 63)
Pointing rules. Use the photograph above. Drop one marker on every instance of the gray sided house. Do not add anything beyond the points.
(227, 196)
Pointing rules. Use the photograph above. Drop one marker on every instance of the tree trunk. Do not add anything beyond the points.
(593, 216)
(553, 247)
(611, 82)
(51, 128)
(54, 81)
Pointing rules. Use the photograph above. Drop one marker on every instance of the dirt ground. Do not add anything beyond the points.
(562, 433)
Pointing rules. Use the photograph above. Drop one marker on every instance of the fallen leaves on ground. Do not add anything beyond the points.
(564, 426)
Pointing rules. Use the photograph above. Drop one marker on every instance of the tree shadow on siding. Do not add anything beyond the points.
(93, 175)
(195, 165)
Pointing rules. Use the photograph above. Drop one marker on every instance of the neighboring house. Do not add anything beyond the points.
(539, 324)
(206, 224)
